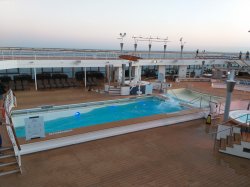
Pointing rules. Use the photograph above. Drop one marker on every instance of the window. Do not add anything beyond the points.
(12, 71)
(25, 71)
(68, 71)
(47, 70)
(57, 70)
(246, 150)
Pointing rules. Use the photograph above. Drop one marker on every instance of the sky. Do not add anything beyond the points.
(211, 25)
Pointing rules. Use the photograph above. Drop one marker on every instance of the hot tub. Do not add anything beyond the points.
(240, 116)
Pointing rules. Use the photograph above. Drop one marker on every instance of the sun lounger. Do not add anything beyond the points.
(58, 83)
(19, 85)
(25, 84)
(46, 83)
(40, 84)
(52, 83)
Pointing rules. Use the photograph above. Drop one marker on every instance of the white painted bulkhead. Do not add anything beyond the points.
(223, 131)
(10, 64)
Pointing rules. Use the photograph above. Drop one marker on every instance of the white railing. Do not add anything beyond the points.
(64, 54)
(9, 103)
(15, 146)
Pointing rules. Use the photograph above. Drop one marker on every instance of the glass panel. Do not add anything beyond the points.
(57, 70)
(11, 71)
(38, 70)
(25, 71)
(68, 71)
(102, 69)
(3, 71)
(47, 70)
(94, 68)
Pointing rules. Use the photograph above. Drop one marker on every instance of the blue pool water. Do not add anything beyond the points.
(244, 119)
(104, 114)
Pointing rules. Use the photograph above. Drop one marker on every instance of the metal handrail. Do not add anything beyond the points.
(15, 145)
(10, 129)
(174, 94)
(194, 99)
(227, 122)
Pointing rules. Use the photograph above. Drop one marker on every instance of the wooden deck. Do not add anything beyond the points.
(178, 155)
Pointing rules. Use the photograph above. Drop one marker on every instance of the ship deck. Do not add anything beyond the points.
(178, 155)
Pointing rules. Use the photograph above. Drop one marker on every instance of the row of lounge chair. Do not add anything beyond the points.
(17, 85)
(91, 81)
(42, 84)
(45, 80)
(57, 83)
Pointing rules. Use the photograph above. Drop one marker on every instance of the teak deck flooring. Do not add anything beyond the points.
(177, 155)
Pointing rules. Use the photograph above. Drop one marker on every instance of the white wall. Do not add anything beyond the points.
(162, 69)
(182, 71)
(136, 71)
(118, 74)
(9, 64)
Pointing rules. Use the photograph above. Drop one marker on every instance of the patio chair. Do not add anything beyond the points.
(58, 83)
(52, 83)
(11, 85)
(94, 81)
(25, 85)
(40, 84)
(90, 82)
(76, 83)
(18, 85)
(64, 83)
(46, 83)
(71, 83)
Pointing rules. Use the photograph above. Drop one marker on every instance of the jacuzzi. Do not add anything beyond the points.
(240, 116)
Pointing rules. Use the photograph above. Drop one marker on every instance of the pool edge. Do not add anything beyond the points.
(105, 133)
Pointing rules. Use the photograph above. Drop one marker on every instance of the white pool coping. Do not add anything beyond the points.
(236, 113)
(90, 136)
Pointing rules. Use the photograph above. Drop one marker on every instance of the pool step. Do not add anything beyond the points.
(230, 141)
(9, 172)
(114, 91)
(237, 138)
(8, 164)
(223, 143)
(6, 150)
(7, 158)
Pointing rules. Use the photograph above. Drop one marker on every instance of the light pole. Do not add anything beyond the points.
(135, 44)
(165, 46)
(122, 35)
(164, 40)
(149, 46)
(182, 45)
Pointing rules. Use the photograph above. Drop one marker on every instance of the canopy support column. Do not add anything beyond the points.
(35, 78)
(85, 77)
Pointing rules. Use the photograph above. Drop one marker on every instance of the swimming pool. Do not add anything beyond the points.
(68, 117)
(193, 98)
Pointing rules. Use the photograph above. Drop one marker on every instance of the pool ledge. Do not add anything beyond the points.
(95, 135)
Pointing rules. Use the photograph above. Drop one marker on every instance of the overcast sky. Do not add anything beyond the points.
(213, 25)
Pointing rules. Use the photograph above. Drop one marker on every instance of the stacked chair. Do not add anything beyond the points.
(44, 81)
(19, 82)
(56, 80)
(93, 77)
